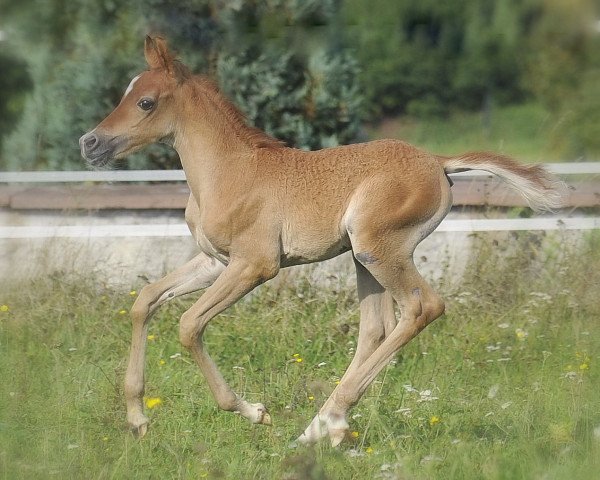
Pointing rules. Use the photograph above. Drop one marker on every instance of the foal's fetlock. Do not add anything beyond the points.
(138, 424)
(255, 412)
(326, 424)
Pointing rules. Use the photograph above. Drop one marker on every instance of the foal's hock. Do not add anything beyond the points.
(257, 206)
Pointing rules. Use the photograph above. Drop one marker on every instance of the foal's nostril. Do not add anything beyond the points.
(90, 142)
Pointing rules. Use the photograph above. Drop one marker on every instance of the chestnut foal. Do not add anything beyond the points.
(257, 206)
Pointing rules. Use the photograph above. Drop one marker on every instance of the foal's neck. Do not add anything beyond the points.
(210, 144)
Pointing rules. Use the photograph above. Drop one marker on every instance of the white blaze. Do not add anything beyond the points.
(131, 84)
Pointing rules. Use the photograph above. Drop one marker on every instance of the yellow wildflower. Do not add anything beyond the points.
(4, 308)
(521, 334)
(311, 398)
(369, 450)
(151, 337)
(296, 355)
(355, 434)
(584, 366)
(434, 420)
(152, 402)
(298, 360)
(122, 312)
(161, 362)
(133, 293)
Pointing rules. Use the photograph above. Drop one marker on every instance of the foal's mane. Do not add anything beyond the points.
(253, 136)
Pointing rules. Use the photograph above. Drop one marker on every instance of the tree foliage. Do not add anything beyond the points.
(91, 49)
(17, 83)
(426, 56)
(306, 71)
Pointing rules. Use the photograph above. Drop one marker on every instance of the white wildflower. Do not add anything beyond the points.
(404, 411)
(541, 295)
(493, 391)
(426, 396)
(353, 452)
(431, 458)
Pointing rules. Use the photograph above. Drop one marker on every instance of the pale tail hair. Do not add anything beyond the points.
(542, 190)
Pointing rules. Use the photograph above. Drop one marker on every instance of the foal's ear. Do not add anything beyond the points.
(156, 52)
(158, 56)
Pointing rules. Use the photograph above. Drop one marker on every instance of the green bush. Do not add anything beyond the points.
(81, 56)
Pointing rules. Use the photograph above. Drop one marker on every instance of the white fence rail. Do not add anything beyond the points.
(574, 168)
(181, 230)
(94, 176)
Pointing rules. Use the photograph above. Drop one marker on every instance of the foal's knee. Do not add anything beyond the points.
(190, 327)
(187, 335)
(141, 307)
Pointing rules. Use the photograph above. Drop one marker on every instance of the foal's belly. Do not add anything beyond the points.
(308, 247)
(300, 257)
(299, 244)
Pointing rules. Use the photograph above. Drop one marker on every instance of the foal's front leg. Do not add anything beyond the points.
(239, 278)
(198, 273)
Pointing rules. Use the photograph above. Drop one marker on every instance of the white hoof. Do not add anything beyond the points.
(256, 413)
(138, 425)
(325, 424)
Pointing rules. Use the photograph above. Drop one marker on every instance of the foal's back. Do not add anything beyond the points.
(329, 177)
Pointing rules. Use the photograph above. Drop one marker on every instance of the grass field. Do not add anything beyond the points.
(504, 386)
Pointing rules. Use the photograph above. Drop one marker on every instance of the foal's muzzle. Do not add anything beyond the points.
(99, 149)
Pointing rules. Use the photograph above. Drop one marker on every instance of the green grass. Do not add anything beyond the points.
(526, 131)
(514, 366)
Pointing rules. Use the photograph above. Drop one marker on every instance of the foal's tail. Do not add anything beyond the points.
(542, 190)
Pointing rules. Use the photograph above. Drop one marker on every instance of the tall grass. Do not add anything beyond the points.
(504, 386)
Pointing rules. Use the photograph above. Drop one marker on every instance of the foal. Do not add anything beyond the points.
(257, 206)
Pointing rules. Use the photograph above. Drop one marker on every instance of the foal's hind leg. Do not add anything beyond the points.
(377, 320)
(198, 273)
(419, 305)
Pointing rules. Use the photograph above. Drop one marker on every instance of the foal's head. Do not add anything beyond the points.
(146, 111)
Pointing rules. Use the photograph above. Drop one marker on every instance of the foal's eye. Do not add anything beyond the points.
(146, 104)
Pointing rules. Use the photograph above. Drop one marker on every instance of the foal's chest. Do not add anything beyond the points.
(206, 238)
(206, 245)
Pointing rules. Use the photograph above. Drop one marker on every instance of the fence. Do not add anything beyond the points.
(471, 189)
